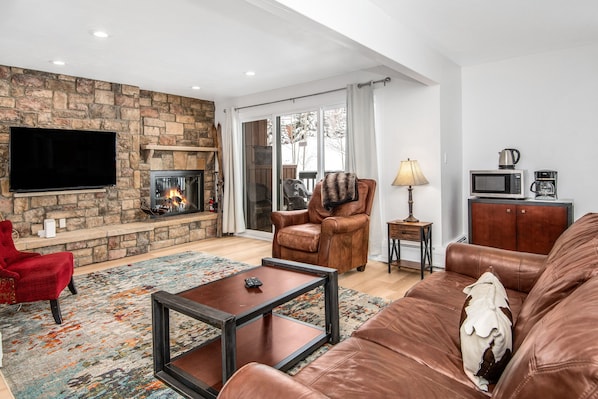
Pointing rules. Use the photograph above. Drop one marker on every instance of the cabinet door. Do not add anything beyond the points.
(538, 227)
(494, 225)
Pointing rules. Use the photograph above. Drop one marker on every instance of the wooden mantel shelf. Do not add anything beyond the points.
(150, 148)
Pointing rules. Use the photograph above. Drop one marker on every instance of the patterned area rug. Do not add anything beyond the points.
(103, 349)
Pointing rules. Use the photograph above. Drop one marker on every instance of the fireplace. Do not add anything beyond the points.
(174, 192)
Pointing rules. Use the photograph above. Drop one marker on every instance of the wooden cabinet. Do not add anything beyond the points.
(518, 225)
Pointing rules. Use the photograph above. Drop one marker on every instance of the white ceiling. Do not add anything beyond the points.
(471, 32)
(169, 46)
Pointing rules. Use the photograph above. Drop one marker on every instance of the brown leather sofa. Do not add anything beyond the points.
(411, 349)
(336, 238)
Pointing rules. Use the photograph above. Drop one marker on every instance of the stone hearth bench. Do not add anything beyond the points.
(103, 243)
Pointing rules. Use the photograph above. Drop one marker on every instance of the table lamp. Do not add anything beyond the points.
(410, 175)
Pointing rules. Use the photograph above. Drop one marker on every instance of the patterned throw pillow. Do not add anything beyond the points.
(486, 331)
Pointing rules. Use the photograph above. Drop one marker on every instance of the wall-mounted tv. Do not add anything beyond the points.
(54, 159)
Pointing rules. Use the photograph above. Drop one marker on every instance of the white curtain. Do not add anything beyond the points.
(232, 201)
(362, 156)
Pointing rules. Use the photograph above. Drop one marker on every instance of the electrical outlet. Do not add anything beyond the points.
(62, 223)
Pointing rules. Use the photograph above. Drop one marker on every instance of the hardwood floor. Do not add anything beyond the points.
(375, 280)
(4, 391)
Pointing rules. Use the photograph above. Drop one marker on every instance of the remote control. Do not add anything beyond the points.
(252, 282)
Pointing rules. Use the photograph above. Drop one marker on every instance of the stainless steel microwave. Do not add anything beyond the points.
(502, 183)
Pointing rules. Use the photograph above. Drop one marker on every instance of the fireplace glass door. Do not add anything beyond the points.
(176, 192)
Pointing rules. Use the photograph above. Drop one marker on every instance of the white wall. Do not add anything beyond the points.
(368, 30)
(407, 124)
(544, 105)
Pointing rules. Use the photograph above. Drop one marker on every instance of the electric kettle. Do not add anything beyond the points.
(507, 158)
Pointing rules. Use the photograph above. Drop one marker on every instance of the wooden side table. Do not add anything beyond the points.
(411, 231)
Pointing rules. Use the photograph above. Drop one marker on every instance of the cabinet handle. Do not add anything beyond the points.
(508, 210)
(523, 211)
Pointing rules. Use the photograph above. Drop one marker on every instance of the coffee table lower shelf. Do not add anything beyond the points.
(275, 340)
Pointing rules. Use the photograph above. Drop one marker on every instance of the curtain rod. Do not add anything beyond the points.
(372, 82)
(359, 85)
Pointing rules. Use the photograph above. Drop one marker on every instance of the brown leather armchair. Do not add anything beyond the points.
(337, 238)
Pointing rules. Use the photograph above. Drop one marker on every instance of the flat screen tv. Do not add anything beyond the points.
(54, 159)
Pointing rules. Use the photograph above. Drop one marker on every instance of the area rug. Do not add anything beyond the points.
(103, 349)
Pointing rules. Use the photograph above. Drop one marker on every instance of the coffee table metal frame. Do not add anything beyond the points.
(186, 384)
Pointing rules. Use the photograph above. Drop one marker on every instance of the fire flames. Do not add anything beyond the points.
(176, 199)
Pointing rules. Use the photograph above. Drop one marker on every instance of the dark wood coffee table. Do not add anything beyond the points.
(249, 329)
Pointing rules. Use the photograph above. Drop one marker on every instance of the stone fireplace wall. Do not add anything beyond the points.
(169, 120)
(41, 99)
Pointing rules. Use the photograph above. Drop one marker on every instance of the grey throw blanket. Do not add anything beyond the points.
(339, 188)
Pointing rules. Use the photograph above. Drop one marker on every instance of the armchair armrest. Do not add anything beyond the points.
(9, 274)
(256, 380)
(282, 219)
(516, 270)
(344, 224)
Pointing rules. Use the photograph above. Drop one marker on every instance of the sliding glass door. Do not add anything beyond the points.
(257, 145)
(298, 138)
(312, 143)
(285, 155)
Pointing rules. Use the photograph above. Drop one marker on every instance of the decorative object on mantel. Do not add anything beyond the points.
(410, 175)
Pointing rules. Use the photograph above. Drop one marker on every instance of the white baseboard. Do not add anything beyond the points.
(411, 251)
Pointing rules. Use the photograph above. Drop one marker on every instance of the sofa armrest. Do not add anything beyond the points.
(282, 219)
(256, 380)
(344, 224)
(516, 270)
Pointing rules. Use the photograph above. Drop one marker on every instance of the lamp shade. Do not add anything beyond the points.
(409, 174)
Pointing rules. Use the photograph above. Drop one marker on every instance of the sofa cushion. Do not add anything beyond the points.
(423, 332)
(562, 275)
(559, 356)
(446, 289)
(485, 331)
(303, 237)
(357, 369)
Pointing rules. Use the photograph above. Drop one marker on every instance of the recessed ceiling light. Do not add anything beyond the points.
(58, 62)
(250, 73)
(100, 34)
(195, 87)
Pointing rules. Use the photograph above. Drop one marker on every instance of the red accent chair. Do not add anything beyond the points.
(30, 277)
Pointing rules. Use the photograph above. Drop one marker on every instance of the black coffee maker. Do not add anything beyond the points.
(544, 185)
